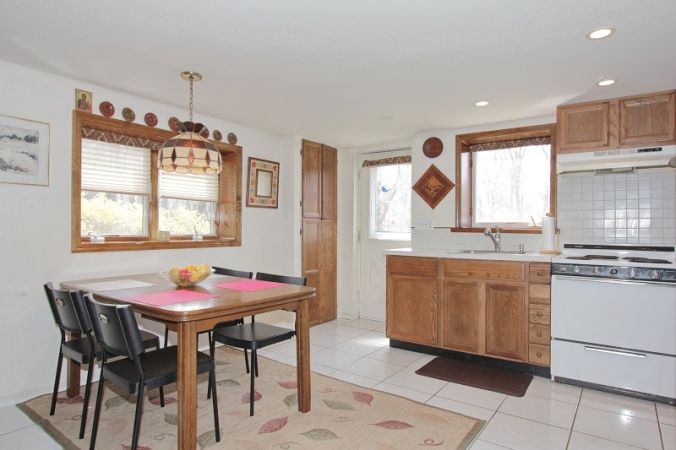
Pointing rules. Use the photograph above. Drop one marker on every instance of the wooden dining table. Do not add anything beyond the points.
(189, 318)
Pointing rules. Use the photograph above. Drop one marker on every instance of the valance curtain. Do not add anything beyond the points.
(120, 139)
(504, 145)
(386, 161)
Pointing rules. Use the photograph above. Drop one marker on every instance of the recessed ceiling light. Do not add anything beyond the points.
(481, 103)
(600, 33)
(606, 82)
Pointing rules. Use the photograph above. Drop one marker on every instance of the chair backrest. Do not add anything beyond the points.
(232, 273)
(115, 328)
(301, 281)
(70, 313)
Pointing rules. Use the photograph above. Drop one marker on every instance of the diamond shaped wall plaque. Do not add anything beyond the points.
(433, 186)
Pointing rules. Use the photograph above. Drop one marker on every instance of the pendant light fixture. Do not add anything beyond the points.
(189, 152)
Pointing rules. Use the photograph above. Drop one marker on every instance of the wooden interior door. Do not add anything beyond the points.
(462, 308)
(505, 320)
(312, 180)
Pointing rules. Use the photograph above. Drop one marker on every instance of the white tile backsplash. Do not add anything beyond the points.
(618, 208)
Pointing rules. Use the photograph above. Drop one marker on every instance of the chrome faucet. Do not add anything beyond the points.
(495, 237)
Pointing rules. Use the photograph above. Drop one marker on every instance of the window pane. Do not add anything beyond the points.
(511, 185)
(185, 217)
(106, 213)
(392, 196)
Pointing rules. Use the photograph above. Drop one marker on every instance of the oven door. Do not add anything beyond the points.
(626, 314)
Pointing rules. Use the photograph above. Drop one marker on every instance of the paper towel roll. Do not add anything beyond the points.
(549, 233)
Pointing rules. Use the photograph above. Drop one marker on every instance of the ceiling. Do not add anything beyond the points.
(351, 72)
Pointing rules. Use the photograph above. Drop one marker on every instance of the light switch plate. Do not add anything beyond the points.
(424, 225)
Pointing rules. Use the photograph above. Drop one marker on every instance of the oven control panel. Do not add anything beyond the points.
(615, 272)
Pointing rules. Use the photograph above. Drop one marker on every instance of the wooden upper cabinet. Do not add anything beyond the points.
(329, 182)
(506, 320)
(643, 120)
(647, 119)
(312, 180)
(583, 127)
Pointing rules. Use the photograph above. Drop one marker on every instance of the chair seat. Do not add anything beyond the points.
(252, 335)
(159, 367)
(78, 349)
(229, 323)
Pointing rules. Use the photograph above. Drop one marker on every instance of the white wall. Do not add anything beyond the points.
(35, 224)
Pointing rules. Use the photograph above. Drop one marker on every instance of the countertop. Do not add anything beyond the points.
(462, 254)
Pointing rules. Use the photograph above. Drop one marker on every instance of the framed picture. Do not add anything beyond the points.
(83, 100)
(24, 151)
(262, 183)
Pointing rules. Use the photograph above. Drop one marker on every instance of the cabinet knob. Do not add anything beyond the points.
(539, 354)
(539, 314)
(540, 273)
(539, 333)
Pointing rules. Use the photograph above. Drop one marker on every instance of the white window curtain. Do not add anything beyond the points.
(187, 186)
(116, 168)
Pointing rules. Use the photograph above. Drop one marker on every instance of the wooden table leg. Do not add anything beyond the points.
(303, 355)
(73, 373)
(187, 386)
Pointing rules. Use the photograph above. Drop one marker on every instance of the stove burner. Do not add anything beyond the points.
(636, 259)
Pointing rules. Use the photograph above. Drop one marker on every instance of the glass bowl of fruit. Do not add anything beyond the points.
(187, 276)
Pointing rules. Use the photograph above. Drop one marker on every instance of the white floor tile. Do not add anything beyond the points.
(354, 378)
(461, 408)
(289, 348)
(619, 404)
(543, 387)
(395, 356)
(421, 361)
(326, 339)
(365, 324)
(28, 438)
(344, 331)
(617, 427)
(332, 357)
(483, 445)
(12, 419)
(540, 409)
(473, 396)
(318, 368)
(668, 436)
(284, 359)
(372, 368)
(409, 379)
(403, 392)
(666, 414)
(579, 441)
(373, 338)
(517, 433)
(356, 347)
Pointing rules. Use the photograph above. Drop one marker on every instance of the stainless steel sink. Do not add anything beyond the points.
(490, 252)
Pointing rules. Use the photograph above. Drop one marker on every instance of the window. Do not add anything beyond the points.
(505, 178)
(121, 200)
(390, 198)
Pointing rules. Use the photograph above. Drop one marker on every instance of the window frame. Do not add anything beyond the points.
(229, 227)
(464, 199)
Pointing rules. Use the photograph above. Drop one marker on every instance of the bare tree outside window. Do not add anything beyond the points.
(391, 194)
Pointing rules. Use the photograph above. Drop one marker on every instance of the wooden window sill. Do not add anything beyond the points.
(112, 246)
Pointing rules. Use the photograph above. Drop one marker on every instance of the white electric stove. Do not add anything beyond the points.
(614, 318)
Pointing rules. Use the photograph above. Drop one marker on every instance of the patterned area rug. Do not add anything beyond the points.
(343, 416)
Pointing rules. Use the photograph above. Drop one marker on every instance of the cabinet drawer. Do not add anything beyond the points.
(539, 334)
(412, 265)
(539, 314)
(538, 354)
(539, 293)
(492, 270)
(540, 273)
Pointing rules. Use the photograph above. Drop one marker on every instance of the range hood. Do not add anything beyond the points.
(623, 158)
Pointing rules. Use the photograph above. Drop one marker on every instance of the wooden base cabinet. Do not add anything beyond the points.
(506, 320)
(462, 310)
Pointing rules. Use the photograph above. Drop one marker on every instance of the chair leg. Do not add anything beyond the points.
(166, 331)
(59, 363)
(85, 402)
(97, 412)
(246, 360)
(254, 363)
(166, 336)
(212, 383)
(137, 416)
(212, 351)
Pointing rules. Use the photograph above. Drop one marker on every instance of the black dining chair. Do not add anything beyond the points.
(116, 329)
(70, 315)
(256, 335)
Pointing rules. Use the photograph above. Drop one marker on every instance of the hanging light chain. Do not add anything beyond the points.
(190, 103)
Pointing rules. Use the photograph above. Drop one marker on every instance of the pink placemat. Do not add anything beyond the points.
(249, 285)
(171, 297)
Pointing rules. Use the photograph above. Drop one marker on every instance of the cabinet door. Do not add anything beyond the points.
(462, 315)
(506, 320)
(583, 127)
(647, 119)
(312, 180)
(328, 182)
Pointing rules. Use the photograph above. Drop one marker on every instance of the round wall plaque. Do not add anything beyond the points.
(433, 147)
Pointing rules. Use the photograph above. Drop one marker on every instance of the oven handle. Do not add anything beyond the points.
(605, 280)
(614, 352)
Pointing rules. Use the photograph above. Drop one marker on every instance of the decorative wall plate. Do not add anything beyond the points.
(204, 132)
(106, 109)
(232, 138)
(173, 124)
(150, 119)
(128, 114)
(433, 186)
(433, 147)
(217, 135)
